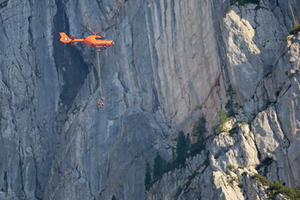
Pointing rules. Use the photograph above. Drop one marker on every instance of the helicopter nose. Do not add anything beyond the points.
(112, 42)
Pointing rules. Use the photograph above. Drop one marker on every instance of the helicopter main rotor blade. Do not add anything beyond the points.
(87, 29)
(104, 30)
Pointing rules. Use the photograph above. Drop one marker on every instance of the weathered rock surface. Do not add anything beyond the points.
(29, 107)
(172, 63)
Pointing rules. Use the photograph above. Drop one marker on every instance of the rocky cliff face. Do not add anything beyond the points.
(30, 89)
(172, 63)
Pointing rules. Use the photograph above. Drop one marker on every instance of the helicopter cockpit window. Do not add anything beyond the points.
(99, 38)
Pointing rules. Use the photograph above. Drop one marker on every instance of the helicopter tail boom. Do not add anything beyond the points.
(64, 38)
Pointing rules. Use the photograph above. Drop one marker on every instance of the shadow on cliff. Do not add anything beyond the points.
(67, 59)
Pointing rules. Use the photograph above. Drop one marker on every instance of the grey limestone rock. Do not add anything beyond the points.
(172, 63)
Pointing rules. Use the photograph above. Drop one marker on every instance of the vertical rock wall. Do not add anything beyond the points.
(154, 79)
(32, 113)
(172, 63)
(270, 59)
(29, 98)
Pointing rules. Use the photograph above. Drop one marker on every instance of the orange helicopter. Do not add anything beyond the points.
(93, 41)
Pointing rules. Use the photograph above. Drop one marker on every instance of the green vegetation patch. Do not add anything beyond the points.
(243, 2)
(200, 128)
(296, 29)
(222, 120)
(183, 150)
(277, 187)
(231, 168)
(148, 178)
(263, 180)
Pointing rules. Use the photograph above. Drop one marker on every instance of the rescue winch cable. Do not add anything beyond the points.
(101, 100)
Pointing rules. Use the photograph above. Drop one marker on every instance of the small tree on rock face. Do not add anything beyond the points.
(229, 108)
(199, 145)
(296, 29)
(200, 128)
(158, 168)
(148, 180)
(230, 105)
(222, 121)
(223, 117)
(182, 148)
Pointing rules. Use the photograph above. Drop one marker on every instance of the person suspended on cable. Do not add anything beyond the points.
(101, 102)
